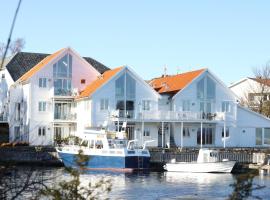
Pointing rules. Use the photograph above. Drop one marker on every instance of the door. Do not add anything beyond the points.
(207, 136)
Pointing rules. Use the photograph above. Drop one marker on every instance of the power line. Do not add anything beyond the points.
(10, 33)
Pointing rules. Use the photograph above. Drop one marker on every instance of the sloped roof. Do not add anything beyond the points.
(100, 81)
(261, 81)
(22, 62)
(40, 65)
(174, 83)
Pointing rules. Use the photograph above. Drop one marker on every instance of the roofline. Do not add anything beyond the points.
(143, 81)
(223, 84)
(81, 98)
(204, 70)
(238, 82)
(53, 59)
(253, 112)
(77, 54)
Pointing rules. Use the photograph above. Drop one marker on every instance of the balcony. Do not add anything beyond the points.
(65, 117)
(169, 116)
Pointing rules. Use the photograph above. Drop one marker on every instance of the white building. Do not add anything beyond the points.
(63, 94)
(41, 101)
(250, 91)
(183, 109)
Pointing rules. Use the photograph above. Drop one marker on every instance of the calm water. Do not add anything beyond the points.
(157, 185)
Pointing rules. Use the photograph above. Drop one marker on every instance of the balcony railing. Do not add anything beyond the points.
(65, 117)
(170, 115)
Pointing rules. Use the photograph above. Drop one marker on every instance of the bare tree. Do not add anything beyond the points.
(15, 46)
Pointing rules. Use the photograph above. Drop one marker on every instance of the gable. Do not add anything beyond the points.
(221, 90)
(112, 75)
(22, 62)
(99, 82)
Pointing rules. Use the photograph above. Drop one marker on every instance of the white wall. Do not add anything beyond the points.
(143, 92)
(31, 94)
(190, 93)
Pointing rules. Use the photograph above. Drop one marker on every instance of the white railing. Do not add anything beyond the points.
(172, 115)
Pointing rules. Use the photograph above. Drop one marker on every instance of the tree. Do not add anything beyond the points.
(14, 47)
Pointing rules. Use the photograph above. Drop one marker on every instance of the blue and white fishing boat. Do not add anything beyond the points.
(106, 151)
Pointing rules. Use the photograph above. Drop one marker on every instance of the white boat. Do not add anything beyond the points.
(207, 162)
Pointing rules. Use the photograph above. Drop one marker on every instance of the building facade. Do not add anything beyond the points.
(63, 94)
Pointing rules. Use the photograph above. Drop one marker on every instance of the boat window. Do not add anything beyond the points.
(99, 144)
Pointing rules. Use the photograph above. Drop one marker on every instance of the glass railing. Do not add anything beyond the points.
(62, 92)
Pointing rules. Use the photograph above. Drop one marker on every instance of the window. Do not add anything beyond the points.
(210, 89)
(17, 132)
(186, 105)
(227, 132)
(186, 132)
(42, 131)
(200, 89)
(42, 106)
(258, 136)
(267, 136)
(146, 132)
(206, 89)
(42, 82)
(104, 104)
(62, 73)
(130, 87)
(208, 136)
(82, 81)
(146, 104)
(17, 111)
(119, 87)
(226, 106)
(125, 94)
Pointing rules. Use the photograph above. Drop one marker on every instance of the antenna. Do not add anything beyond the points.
(165, 70)
(177, 70)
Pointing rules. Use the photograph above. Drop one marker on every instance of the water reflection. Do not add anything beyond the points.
(167, 185)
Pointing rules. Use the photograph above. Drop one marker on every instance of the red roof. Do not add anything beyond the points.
(100, 81)
(174, 83)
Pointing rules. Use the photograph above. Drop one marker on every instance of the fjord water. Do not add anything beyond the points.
(163, 185)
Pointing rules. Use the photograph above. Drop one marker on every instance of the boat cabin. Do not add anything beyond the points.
(207, 155)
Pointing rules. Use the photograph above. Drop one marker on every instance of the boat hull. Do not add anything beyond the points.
(107, 162)
(213, 167)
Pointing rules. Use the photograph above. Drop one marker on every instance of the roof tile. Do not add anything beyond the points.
(173, 84)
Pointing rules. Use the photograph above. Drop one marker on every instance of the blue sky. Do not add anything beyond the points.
(228, 37)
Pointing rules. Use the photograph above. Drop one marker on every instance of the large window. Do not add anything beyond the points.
(62, 73)
(206, 93)
(258, 136)
(207, 136)
(267, 136)
(200, 89)
(210, 89)
(125, 92)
